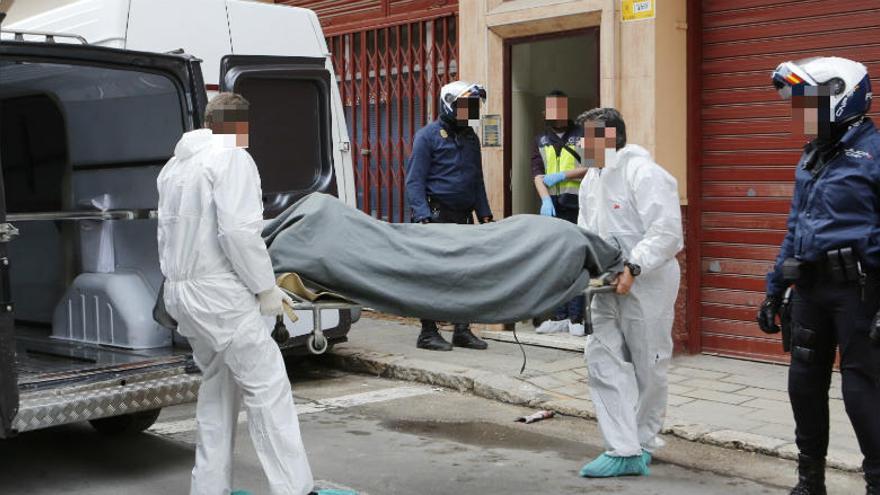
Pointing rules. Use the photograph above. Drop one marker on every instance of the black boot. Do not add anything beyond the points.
(430, 338)
(811, 476)
(463, 337)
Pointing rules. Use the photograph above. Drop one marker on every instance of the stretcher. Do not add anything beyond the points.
(307, 299)
(316, 342)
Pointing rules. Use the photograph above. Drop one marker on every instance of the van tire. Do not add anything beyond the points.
(126, 424)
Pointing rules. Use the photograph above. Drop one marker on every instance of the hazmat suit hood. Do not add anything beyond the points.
(193, 142)
(631, 151)
(615, 158)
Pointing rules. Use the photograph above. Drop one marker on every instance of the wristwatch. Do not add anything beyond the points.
(634, 269)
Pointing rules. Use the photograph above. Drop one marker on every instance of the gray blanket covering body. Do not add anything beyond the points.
(511, 270)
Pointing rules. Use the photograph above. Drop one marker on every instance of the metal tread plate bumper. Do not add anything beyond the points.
(104, 399)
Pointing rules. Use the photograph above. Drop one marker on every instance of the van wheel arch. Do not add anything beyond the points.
(126, 424)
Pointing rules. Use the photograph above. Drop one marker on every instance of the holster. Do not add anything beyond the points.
(785, 319)
(803, 343)
(843, 265)
(792, 270)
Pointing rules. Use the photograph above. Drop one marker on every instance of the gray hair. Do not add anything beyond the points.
(608, 117)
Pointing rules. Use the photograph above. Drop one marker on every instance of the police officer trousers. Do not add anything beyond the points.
(443, 214)
(828, 316)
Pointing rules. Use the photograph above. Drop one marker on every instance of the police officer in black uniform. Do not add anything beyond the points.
(444, 184)
(823, 291)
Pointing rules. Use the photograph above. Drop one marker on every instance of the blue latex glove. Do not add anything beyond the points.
(547, 208)
(551, 180)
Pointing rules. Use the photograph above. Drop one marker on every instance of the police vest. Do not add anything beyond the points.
(562, 162)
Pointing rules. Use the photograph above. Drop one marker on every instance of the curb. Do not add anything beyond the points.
(509, 390)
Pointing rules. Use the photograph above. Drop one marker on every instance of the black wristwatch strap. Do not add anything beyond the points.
(634, 270)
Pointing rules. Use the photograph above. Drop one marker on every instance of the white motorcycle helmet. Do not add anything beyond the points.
(459, 89)
(849, 87)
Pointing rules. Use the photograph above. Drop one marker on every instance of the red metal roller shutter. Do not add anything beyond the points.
(390, 57)
(748, 155)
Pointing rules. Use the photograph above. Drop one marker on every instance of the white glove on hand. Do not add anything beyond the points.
(272, 301)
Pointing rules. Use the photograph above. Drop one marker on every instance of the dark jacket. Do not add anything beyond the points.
(446, 165)
(836, 203)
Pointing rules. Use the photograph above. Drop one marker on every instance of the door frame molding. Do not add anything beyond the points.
(693, 251)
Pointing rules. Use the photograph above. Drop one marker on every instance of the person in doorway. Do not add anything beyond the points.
(557, 173)
(444, 184)
(831, 253)
(219, 285)
(631, 201)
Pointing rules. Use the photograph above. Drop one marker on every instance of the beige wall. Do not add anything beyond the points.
(642, 68)
(670, 90)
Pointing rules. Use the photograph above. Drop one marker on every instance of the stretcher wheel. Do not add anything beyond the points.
(317, 344)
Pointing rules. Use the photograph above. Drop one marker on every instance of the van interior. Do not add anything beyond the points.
(81, 147)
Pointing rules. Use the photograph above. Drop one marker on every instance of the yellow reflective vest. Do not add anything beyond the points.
(563, 161)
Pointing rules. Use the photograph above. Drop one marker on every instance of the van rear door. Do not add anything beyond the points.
(110, 119)
(8, 374)
(290, 123)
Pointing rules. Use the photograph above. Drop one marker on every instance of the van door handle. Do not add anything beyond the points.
(8, 232)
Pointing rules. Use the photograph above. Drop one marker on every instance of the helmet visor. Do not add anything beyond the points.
(788, 74)
(475, 91)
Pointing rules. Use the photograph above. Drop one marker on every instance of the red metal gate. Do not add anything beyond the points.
(747, 155)
(389, 79)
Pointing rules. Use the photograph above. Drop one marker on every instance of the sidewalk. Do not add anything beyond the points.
(727, 402)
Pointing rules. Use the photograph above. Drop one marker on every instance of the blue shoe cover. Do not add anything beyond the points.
(606, 466)
(336, 492)
(647, 457)
(241, 492)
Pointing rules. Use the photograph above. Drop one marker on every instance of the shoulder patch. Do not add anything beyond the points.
(857, 154)
(443, 133)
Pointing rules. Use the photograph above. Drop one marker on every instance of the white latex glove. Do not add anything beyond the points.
(272, 301)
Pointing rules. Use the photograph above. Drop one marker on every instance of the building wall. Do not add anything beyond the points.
(642, 72)
(642, 68)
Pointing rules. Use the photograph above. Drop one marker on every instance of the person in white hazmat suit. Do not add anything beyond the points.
(219, 285)
(630, 201)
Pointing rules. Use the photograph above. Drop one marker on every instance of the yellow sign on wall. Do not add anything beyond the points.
(634, 10)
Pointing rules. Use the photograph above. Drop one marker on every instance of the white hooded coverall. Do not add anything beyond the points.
(634, 203)
(214, 261)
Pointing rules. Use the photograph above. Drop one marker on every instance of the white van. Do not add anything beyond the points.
(93, 97)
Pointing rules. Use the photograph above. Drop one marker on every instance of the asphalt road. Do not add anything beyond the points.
(385, 437)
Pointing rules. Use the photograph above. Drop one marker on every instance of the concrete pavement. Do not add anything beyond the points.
(386, 437)
(726, 402)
